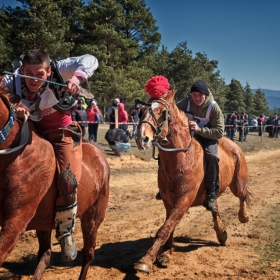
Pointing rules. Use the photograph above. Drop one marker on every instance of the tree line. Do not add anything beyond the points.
(123, 36)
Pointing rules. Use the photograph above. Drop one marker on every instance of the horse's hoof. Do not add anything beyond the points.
(222, 238)
(142, 267)
(243, 219)
(164, 259)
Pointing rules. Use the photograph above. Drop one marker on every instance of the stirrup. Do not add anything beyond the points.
(68, 248)
(210, 205)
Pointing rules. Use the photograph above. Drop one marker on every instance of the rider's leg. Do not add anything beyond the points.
(68, 150)
(211, 182)
(211, 173)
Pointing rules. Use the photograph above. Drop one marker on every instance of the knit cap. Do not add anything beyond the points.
(200, 86)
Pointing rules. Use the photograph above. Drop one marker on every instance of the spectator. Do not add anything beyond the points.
(80, 116)
(231, 125)
(118, 140)
(246, 128)
(255, 124)
(123, 117)
(134, 115)
(111, 113)
(84, 104)
(240, 124)
(277, 127)
(93, 112)
(260, 124)
(270, 126)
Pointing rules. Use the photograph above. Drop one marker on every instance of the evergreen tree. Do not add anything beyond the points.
(261, 103)
(38, 24)
(72, 11)
(249, 101)
(235, 98)
(122, 32)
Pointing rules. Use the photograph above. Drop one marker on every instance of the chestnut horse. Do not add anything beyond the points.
(181, 173)
(28, 189)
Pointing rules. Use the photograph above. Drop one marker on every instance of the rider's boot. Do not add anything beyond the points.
(65, 218)
(211, 183)
(209, 202)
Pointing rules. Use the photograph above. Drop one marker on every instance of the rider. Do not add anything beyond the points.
(57, 127)
(207, 121)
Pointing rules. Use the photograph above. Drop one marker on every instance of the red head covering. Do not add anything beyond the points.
(157, 86)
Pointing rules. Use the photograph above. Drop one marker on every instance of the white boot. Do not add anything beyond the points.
(65, 218)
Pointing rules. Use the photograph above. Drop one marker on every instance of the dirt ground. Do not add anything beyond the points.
(134, 215)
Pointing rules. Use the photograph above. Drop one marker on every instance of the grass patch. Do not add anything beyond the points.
(269, 248)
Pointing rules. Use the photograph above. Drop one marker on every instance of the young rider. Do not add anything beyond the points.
(56, 125)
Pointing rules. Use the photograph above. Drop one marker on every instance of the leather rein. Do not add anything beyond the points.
(159, 126)
(6, 130)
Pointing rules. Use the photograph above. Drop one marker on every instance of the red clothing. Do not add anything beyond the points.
(123, 116)
(54, 120)
(91, 113)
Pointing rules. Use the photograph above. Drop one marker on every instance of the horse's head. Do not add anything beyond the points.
(156, 117)
(5, 102)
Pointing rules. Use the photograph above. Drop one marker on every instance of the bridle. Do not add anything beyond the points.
(6, 130)
(159, 126)
(158, 129)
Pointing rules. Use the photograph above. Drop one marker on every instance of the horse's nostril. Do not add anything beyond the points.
(146, 139)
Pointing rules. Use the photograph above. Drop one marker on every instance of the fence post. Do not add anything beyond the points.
(117, 118)
(261, 132)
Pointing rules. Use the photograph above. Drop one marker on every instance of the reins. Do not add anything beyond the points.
(158, 130)
(5, 131)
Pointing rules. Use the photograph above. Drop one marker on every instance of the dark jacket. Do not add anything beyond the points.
(116, 135)
(80, 115)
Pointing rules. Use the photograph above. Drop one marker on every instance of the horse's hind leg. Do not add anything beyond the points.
(239, 187)
(243, 214)
(90, 222)
(44, 253)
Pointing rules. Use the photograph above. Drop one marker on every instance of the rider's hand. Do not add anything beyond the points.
(193, 125)
(72, 85)
(20, 112)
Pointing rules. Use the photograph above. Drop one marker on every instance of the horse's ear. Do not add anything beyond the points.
(171, 94)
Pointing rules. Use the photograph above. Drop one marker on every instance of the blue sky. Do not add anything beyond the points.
(243, 35)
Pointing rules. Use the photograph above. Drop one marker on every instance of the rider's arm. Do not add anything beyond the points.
(75, 70)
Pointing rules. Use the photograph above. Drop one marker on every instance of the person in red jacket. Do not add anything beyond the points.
(93, 112)
(261, 120)
(123, 117)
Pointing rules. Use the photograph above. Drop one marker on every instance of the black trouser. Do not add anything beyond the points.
(210, 148)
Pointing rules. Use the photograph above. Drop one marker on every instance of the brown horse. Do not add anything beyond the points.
(181, 173)
(28, 190)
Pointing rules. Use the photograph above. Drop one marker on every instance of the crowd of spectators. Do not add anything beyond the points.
(235, 122)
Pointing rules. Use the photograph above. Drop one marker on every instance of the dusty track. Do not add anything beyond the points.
(134, 215)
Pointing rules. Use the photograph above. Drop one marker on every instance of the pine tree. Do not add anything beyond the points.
(261, 103)
(38, 24)
(249, 101)
(235, 98)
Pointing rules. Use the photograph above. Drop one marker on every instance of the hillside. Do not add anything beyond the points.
(272, 97)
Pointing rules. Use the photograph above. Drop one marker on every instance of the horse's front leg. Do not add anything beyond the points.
(44, 253)
(166, 230)
(219, 227)
(13, 227)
